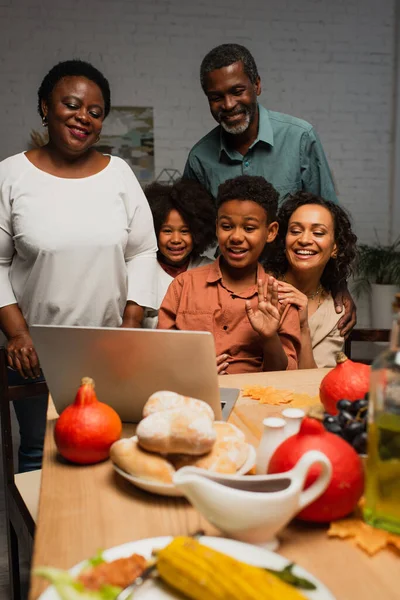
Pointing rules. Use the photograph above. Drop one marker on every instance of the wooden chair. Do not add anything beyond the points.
(365, 335)
(21, 490)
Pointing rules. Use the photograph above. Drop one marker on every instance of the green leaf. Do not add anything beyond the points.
(377, 263)
(289, 577)
(97, 559)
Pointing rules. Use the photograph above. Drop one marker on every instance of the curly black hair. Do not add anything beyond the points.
(192, 201)
(225, 55)
(250, 187)
(73, 68)
(337, 270)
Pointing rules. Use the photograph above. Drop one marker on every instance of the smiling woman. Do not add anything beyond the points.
(314, 256)
(77, 243)
(76, 113)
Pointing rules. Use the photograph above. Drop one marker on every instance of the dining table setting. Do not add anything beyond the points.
(238, 520)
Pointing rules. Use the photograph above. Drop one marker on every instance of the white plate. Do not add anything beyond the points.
(252, 555)
(168, 489)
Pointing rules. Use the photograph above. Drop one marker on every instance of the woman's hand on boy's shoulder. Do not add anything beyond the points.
(265, 318)
(288, 294)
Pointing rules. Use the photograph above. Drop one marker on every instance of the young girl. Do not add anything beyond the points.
(184, 221)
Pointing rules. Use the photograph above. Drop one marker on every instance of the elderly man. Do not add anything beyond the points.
(252, 140)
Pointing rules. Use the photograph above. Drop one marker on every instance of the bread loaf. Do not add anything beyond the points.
(164, 400)
(228, 454)
(227, 431)
(175, 431)
(129, 457)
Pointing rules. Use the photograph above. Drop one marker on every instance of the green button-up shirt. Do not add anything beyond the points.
(287, 152)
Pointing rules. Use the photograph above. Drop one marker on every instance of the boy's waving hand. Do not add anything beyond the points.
(266, 317)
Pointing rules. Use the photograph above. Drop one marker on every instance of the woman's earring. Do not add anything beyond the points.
(44, 121)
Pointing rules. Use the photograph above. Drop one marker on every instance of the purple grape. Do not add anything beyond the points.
(344, 404)
(329, 419)
(334, 428)
(359, 405)
(344, 418)
(352, 430)
(360, 443)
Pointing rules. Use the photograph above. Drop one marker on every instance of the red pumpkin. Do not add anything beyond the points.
(86, 429)
(347, 484)
(347, 380)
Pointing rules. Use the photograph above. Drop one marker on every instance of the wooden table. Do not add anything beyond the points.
(83, 509)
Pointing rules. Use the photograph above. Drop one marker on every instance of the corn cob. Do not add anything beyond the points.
(201, 573)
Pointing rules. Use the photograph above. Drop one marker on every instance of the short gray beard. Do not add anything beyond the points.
(237, 129)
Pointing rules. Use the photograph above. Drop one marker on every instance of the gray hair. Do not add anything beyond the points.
(225, 55)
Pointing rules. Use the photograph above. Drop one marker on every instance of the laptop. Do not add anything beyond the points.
(128, 365)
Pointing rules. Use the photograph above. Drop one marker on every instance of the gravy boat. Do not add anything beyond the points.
(254, 508)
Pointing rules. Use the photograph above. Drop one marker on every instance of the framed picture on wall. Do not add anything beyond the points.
(128, 132)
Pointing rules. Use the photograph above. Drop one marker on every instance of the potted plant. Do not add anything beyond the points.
(378, 272)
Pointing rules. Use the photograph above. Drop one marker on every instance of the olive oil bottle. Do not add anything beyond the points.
(382, 506)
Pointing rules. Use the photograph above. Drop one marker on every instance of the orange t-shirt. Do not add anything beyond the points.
(198, 301)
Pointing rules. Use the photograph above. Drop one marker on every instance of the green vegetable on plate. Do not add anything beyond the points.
(289, 577)
(69, 589)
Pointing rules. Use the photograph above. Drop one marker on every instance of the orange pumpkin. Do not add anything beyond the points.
(348, 380)
(86, 429)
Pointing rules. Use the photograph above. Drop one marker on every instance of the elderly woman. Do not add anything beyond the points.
(77, 243)
(315, 251)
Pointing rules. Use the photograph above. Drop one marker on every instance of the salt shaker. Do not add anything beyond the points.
(293, 418)
(273, 435)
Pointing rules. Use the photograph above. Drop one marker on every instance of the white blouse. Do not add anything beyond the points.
(73, 251)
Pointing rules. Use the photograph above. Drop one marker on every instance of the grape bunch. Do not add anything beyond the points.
(350, 423)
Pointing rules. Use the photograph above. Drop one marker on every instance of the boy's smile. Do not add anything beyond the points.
(243, 231)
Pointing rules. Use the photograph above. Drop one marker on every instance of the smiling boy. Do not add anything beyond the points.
(252, 139)
(234, 298)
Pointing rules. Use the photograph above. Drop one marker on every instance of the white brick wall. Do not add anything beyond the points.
(328, 62)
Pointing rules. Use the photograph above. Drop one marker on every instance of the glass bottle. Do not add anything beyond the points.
(382, 506)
